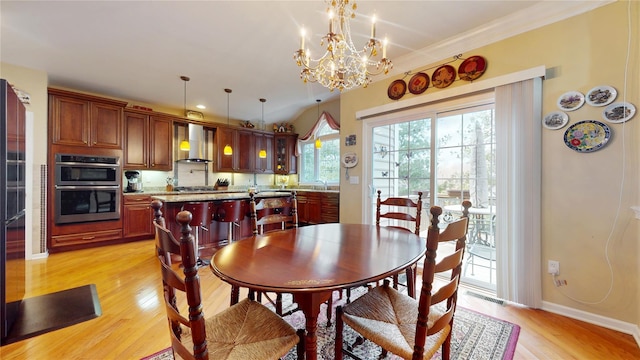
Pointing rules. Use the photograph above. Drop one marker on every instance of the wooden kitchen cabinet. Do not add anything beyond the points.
(137, 217)
(263, 141)
(317, 207)
(242, 144)
(85, 120)
(286, 161)
(148, 141)
(330, 205)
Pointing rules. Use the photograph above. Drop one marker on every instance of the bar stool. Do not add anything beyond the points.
(201, 212)
(232, 212)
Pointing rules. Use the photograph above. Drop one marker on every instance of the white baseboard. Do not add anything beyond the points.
(609, 323)
(43, 255)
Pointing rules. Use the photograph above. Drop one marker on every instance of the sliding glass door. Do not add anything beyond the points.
(447, 154)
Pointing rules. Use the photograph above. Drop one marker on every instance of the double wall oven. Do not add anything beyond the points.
(87, 188)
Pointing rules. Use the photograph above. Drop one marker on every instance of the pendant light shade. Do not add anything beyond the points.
(227, 148)
(262, 154)
(318, 142)
(184, 144)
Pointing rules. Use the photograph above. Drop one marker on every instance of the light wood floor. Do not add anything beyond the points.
(133, 322)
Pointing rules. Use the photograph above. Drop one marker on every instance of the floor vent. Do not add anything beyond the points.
(484, 297)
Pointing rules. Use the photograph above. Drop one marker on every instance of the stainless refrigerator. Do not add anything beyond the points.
(12, 206)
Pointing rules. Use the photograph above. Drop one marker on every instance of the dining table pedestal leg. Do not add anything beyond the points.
(310, 303)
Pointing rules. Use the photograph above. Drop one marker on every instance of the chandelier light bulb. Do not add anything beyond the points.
(373, 27)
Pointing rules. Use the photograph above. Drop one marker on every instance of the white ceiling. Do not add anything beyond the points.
(138, 50)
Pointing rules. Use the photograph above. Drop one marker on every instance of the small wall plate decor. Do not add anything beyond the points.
(443, 76)
(619, 112)
(601, 95)
(587, 136)
(397, 89)
(555, 120)
(418, 83)
(195, 115)
(472, 68)
(571, 101)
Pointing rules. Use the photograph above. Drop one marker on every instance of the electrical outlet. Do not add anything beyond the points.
(554, 267)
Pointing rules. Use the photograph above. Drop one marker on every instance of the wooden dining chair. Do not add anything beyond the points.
(265, 213)
(410, 328)
(400, 212)
(279, 211)
(246, 330)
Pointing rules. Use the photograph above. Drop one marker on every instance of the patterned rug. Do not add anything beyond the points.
(475, 336)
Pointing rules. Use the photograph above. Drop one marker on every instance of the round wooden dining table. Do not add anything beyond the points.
(311, 262)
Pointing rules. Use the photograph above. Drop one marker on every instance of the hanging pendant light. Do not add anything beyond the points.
(184, 144)
(318, 142)
(227, 148)
(262, 154)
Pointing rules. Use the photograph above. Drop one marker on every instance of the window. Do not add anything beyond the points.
(321, 164)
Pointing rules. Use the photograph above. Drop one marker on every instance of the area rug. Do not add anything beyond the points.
(475, 336)
(49, 312)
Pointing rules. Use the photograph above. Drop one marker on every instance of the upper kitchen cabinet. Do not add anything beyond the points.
(242, 143)
(263, 142)
(148, 141)
(286, 161)
(85, 120)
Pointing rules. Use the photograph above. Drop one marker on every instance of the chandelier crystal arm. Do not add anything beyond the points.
(342, 66)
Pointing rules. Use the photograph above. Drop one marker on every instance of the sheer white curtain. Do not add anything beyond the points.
(518, 111)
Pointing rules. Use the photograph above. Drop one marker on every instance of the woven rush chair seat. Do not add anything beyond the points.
(247, 330)
(388, 318)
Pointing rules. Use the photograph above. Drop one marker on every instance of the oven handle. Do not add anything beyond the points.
(97, 187)
(83, 164)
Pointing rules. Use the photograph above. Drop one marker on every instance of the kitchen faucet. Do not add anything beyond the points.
(323, 182)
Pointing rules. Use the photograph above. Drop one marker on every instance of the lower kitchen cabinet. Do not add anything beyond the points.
(137, 217)
(318, 207)
(83, 235)
(330, 205)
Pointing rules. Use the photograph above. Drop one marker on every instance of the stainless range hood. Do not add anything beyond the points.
(197, 145)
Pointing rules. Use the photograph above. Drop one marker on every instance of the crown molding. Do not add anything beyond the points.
(539, 15)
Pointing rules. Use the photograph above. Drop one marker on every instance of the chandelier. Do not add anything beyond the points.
(342, 66)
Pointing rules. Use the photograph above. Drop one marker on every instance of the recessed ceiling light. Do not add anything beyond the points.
(201, 106)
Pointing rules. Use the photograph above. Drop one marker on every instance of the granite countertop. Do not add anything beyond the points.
(214, 196)
(159, 192)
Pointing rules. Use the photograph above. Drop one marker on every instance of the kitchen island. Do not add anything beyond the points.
(227, 215)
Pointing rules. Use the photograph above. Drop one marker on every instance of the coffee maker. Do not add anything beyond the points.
(134, 181)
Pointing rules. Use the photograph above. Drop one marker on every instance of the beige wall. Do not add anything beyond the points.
(586, 198)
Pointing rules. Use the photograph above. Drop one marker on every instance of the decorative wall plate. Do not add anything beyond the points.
(443, 76)
(619, 112)
(555, 120)
(571, 101)
(397, 89)
(601, 95)
(349, 160)
(196, 115)
(472, 68)
(418, 83)
(587, 136)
